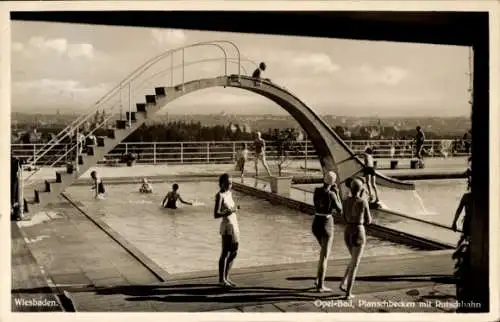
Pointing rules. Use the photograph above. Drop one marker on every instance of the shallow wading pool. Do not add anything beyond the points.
(187, 239)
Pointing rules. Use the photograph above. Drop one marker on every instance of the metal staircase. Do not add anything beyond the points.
(37, 192)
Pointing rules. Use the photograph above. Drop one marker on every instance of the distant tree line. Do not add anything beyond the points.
(195, 131)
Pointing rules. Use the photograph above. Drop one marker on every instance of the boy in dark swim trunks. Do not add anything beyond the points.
(97, 186)
(171, 198)
(369, 174)
(260, 153)
(419, 146)
(258, 73)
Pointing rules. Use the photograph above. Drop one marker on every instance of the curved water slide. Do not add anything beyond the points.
(333, 153)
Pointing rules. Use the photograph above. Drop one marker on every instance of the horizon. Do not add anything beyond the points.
(70, 66)
(76, 112)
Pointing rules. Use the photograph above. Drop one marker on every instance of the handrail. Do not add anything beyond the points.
(224, 148)
(136, 73)
(123, 85)
(75, 145)
(230, 60)
(112, 92)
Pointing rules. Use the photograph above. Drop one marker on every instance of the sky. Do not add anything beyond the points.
(71, 66)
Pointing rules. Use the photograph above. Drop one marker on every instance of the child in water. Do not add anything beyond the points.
(171, 198)
(97, 185)
(146, 187)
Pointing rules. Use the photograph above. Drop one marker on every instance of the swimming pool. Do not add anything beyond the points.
(187, 239)
(433, 200)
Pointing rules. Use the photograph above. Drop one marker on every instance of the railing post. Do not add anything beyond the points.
(182, 152)
(129, 106)
(305, 161)
(154, 153)
(126, 148)
(172, 69)
(77, 148)
(20, 196)
(208, 152)
(234, 151)
(34, 154)
(183, 70)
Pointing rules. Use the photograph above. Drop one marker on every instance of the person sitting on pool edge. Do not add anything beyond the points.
(171, 198)
(146, 187)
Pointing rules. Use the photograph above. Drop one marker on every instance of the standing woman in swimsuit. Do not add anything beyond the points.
(225, 208)
(357, 215)
(326, 203)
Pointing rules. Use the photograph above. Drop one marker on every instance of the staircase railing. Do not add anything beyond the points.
(126, 84)
(131, 77)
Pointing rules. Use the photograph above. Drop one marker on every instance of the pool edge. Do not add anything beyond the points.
(138, 255)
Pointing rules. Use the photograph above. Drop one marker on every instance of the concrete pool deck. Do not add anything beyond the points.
(72, 252)
(434, 167)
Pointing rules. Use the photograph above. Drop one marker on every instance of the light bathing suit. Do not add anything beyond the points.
(242, 157)
(229, 225)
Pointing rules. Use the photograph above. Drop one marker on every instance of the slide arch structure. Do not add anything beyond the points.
(332, 151)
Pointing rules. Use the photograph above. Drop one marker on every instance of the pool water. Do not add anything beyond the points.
(187, 239)
(433, 200)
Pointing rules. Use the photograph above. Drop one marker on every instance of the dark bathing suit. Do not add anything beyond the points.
(171, 201)
(324, 204)
(419, 144)
(258, 146)
(100, 187)
(369, 171)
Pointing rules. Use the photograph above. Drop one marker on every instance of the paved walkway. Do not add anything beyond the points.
(287, 288)
(64, 248)
(296, 168)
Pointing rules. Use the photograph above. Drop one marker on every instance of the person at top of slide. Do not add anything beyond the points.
(225, 208)
(259, 71)
(97, 184)
(260, 153)
(146, 187)
(171, 198)
(241, 159)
